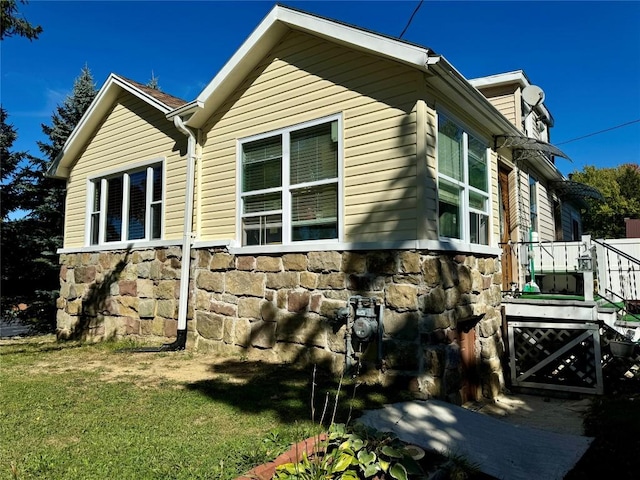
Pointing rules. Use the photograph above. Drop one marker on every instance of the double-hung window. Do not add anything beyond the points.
(289, 184)
(126, 206)
(463, 184)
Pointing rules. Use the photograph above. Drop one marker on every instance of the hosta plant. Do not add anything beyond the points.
(353, 454)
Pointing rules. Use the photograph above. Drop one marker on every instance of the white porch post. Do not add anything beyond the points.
(587, 274)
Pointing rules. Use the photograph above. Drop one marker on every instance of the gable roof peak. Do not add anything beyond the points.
(103, 101)
(165, 99)
(278, 22)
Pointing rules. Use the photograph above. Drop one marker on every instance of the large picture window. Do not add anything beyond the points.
(463, 185)
(290, 185)
(126, 206)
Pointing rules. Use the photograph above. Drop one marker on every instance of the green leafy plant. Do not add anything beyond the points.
(352, 454)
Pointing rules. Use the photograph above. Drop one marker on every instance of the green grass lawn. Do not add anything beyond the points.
(70, 411)
(88, 412)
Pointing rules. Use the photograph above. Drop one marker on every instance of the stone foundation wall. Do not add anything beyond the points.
(112, 294)
(283, 308)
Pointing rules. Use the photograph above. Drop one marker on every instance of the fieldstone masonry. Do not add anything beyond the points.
(117, 293)
(283, 307)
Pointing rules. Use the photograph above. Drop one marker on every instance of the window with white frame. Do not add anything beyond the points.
(126, 205)
(533, 203)
(289, 184)
(463, 184)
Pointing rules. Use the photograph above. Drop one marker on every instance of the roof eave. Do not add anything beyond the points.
(110, 90)
(518, 77)
(456, 86)
(275, 25)
(185, 110)
(453, 83)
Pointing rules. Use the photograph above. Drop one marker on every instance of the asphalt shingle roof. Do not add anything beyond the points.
(168, 100)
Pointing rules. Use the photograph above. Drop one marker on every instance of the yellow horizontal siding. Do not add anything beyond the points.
(506, 106)
(385, 230)
(305, 78)
(361, 198)
(382, 160)
(506, 99)
(545, 214)
(132, 132)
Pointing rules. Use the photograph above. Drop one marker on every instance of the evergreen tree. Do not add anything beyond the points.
(10, 167)
(17, 243)
(67, 115)
(16, 174)
(153, 83)
(12, 23)
(31, 271)
(8, 136)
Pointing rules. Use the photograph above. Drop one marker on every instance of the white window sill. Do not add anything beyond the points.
(132, 245)
(442, 245)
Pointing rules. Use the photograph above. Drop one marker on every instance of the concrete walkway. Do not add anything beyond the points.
(499, 448)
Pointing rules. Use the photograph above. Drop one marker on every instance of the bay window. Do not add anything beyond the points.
(463, 184)
(289, 184)
(126, 206)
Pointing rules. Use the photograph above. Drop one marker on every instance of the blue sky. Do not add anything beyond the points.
(584, 55)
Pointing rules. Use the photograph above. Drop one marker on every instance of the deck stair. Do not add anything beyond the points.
(617, 270)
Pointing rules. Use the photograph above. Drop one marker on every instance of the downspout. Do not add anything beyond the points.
(187, 238)
(181, 337)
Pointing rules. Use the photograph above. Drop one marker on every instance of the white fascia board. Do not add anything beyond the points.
(185, 110)
(59, 168)
(456, 87)
(145, 97)
(87, 123)
(517, 76)
(275, 25)
(355, 37)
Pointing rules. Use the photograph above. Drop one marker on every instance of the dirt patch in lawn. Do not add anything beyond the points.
(146, 369)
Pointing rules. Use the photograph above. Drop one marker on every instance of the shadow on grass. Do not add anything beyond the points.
(38, 344)
(614, 421)
(288, 391)
(29, 346)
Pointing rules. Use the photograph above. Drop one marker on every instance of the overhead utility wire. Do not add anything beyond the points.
(411, 19)
(596, 133)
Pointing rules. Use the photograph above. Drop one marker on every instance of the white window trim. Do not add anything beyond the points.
(535, 181)
(465, 242)
(286, 188)
(103, 176)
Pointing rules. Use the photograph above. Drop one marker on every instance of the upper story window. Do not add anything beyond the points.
(126, 206)
(289, 185)
(463, 184)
